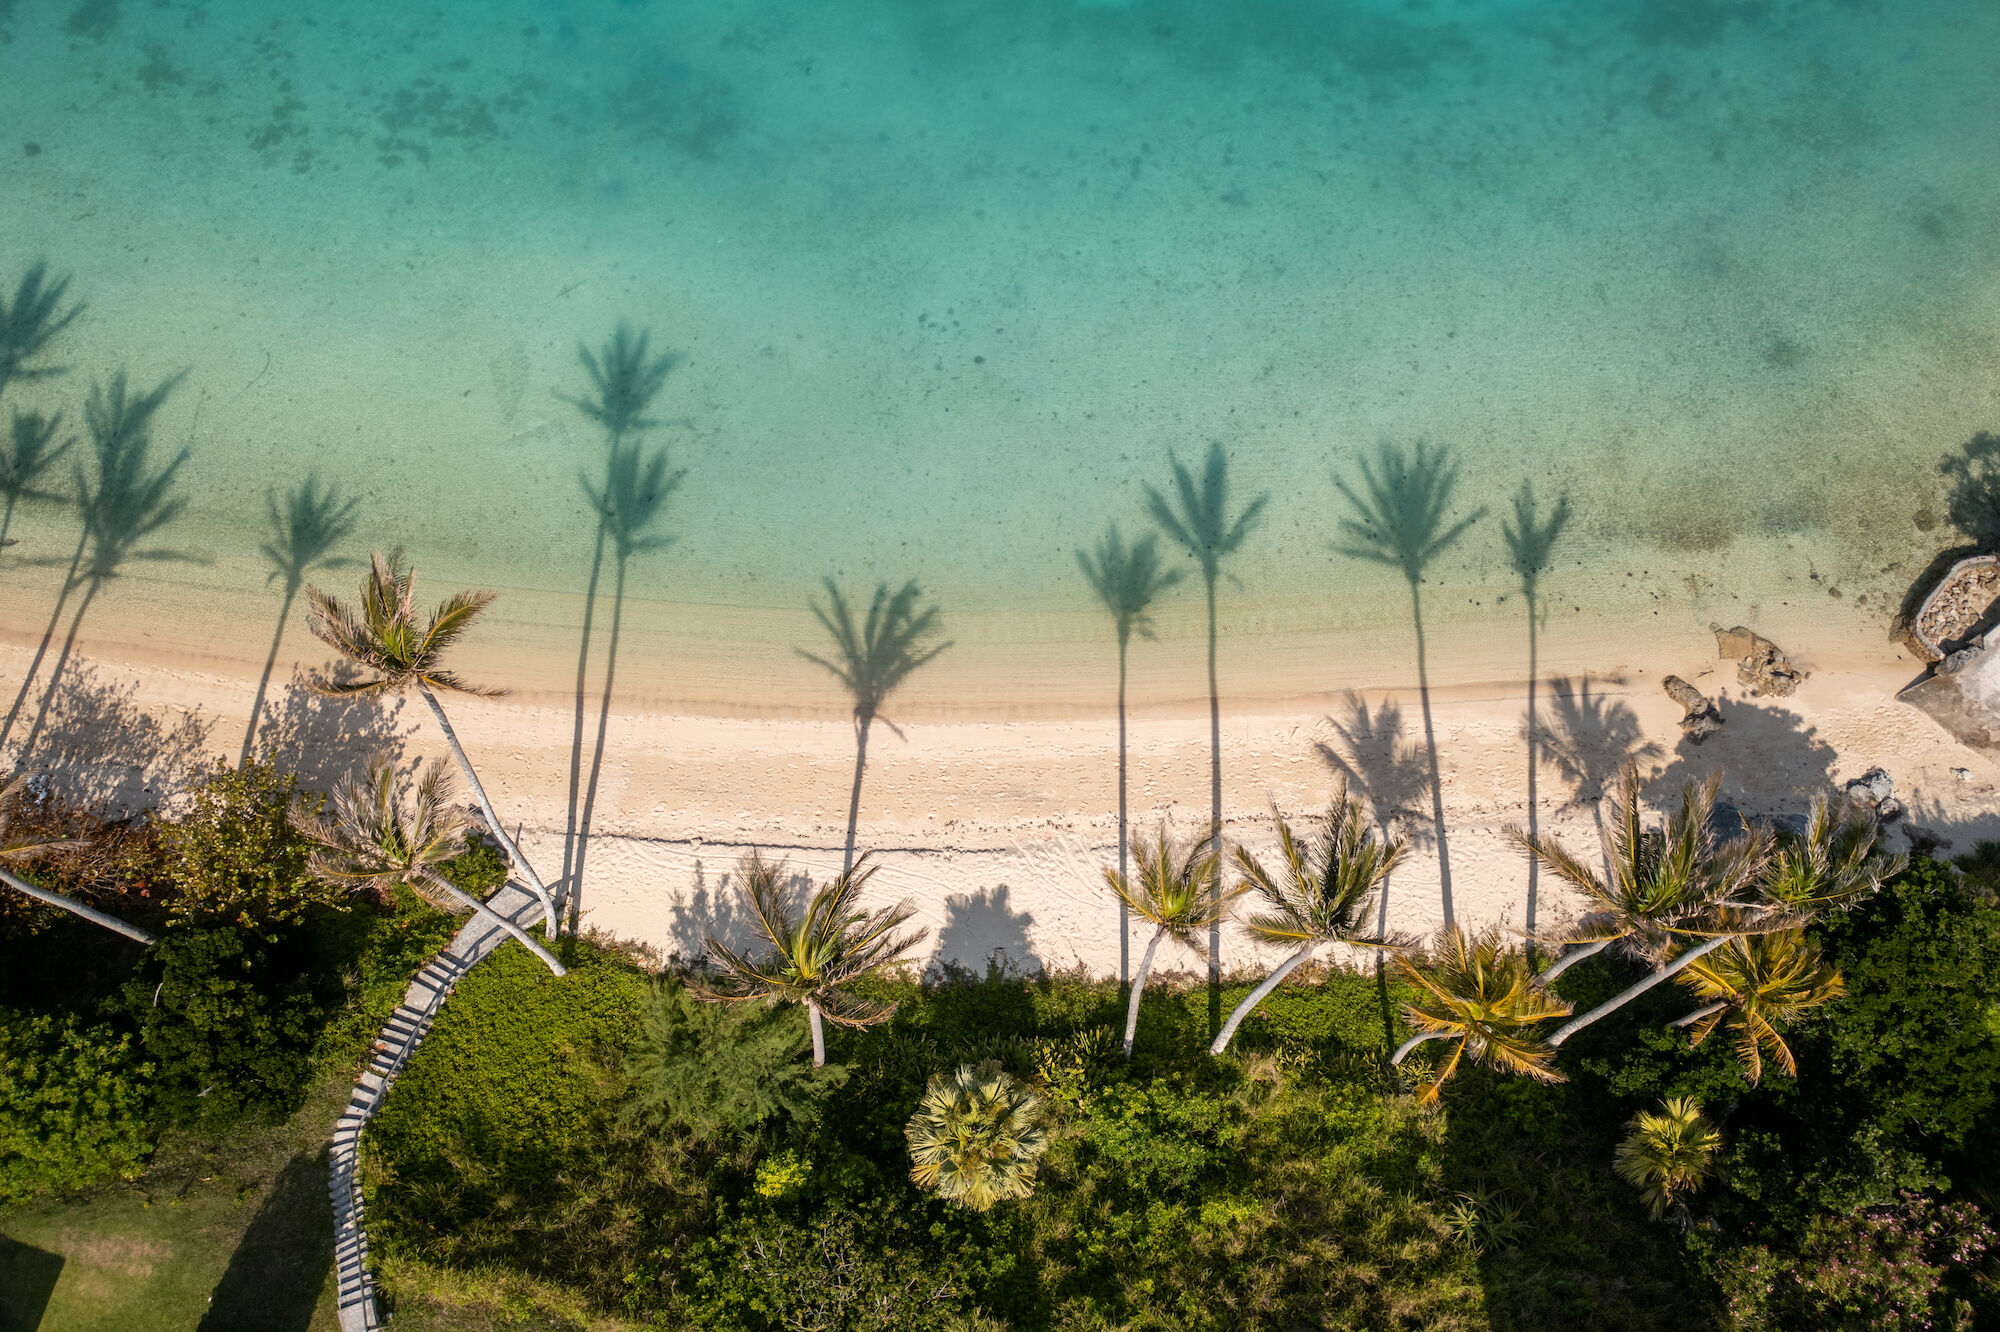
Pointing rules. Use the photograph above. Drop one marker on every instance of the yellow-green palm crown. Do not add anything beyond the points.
(976, 1136)
(1485, 996)
(1667, 1153)
(1172, 887)
(385, 633)
(1764, 982)
(1324, 887)
(371, 839)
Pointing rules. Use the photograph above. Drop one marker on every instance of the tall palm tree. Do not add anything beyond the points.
(832, 944)
(304, 529)
(872, 659)
(1323, 892)
(1484, 997)
(23, 460)
(29, 323)
(1176, 891)
(1126, 582)
(1400, 521)
(19, 844)
(635, 494)
(1530, 540)
(1667, 1154)
(976, 1136)
(1200, 523)
(124, 501)
(1834, 861)
(624, 378)
(372, 840)
(1759, 984)
(384, 633)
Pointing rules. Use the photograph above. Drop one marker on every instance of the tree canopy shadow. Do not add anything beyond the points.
(1773, 763)
(713, 907)
(104, 751)
(1972, 507)
(983, 929)
(28, 1277)
(326, 737)
(275, 1274)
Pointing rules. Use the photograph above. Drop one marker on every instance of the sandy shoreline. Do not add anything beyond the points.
(997, 830)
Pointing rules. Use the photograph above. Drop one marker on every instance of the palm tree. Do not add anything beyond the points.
(385, 634)
(1530, 540)
(1484, 997)
(1126, 581)
(304, 529)
(1324, 892)
(874, 658)
(23, 461)
(1832, 862)
(1667, 1154)
(1202, 526)
(126, 501)
(1759, 984)
(1177, 893)
(624, 379)
(976, 1136)
(373, 840)
(19, 844)
(1400, 522)
(813, 955)
(29, 323)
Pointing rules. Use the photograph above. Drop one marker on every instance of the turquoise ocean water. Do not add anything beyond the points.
(946, 282)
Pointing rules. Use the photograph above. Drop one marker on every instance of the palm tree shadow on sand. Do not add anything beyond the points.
(105, 751)
(1382, 768)
(325, 738)
(871, 659)
(1400, 520)
(304, 527)
(1589, 737)
(1531, 538)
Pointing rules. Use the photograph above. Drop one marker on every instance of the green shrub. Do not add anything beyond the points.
(233, 857)
(74, 1103)
(714, 1067)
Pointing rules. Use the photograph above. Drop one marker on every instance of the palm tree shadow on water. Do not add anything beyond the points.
(1391, 775)
(1530, 539)
(634, 498)
(624, 379)
(1399, 519)
(1201, 525)
(126, 501)
(29, 451)
(871, 659)
(304, 529)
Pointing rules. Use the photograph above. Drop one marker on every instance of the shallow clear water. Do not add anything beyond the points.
(945, 285)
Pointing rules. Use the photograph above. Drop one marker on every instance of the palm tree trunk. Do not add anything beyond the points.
(1256, 996)
(1138, 990)
(1618, 1001)
(819, 1033)
(1124, 911)
(1403, 1050)
(1534, 806)
(575, 894)
(76, 908)
(62, 660)
(1699, 1014)
(572, 850)
(270, 664)
(1215, 813)
(486, 807)
(48, 636)
(861, 723)
(1571, 958)
(463, 898)
(1431, 748)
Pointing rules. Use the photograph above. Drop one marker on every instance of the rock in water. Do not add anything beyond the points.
(1760, 664)
(1702, 719)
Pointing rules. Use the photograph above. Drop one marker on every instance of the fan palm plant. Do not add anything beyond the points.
(1759, 984)
(29, 323)
(1485, 998)
(1401, 521)
(304, 529)
(1201, 525)
(976, 1136)
(1667, 1154)
(1126, 582)
(1531, 540)
(1176, 892)
(384, 633)
(23, 459)
(19, 844)
(871, 659)
(1323, 892)
(373, 839)
(813, 954)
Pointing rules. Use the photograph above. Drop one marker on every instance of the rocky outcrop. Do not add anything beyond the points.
(1760, 664)
(1875, 791)
(1958, 611)
(1962, 694)
(1702, 718)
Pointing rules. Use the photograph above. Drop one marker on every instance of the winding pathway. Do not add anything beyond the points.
(393, 1048)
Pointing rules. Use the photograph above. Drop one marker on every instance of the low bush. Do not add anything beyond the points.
(75, 1105)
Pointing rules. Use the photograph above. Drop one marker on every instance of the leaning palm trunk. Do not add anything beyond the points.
(76, 908)
(453, 892)
(1633, 991)
(1571, 958)
(1138, 990)
(1256, 996)
(486, 808)
(1403, 1050)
